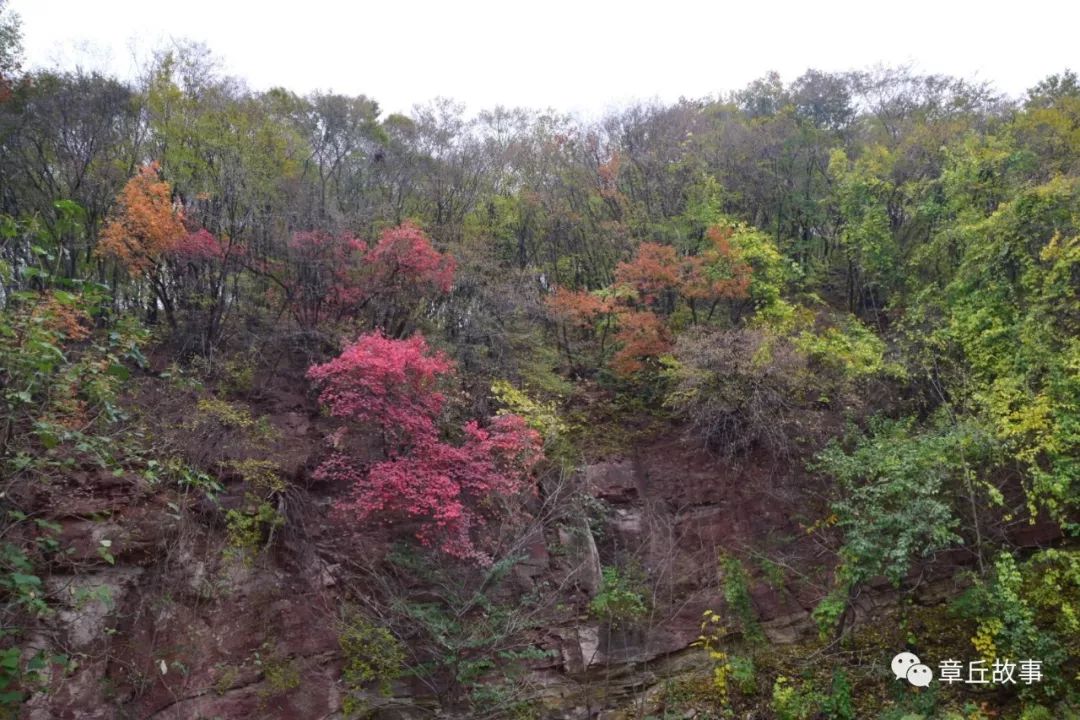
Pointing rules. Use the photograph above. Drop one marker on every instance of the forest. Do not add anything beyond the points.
(704, 409)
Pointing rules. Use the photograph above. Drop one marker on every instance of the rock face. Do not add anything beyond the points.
(164, 621)
(181, 628)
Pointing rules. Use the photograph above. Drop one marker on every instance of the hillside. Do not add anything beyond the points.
(701, 410)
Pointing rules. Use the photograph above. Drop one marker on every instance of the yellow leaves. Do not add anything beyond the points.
(540, 416)
(1026, 417)
(850, 347)
(984, 640)
(824, 522)
(712, 630)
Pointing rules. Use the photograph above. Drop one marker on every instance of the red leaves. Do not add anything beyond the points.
(198, 246)
(446, 485)
(577, 307)
(642, 335)
(391, 384)
(721, 272)
(325, 277)
(146, 231)
(335, 276)
(716, 273)
(653, 269)
(404, 260)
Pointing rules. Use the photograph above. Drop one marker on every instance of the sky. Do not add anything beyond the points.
(581, 56)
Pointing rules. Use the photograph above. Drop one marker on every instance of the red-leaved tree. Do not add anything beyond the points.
(392, 385)
(320, 276)
(652, 273)
(405, 261)
(330, 277)
(401, 271)
(186, 267)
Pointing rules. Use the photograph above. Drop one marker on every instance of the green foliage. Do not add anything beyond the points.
(280, 673)
(932, 227)
(1031, 610)
(19, 678)
(232, 416)
(620, 601)
(851, 349)
(262, 476)
(770, 270)
(55, 371)
(174, 470)
(736, 586)
(372, 656)
(743, 674)
(20, 583)
(710, 639)
(794, 700)
(1012, 307)
(61, 380)
(829, 610)
(467, 633)
(868, 247)
(897, 491)
(1037, 712)
(250, 526)
(838, 704)
(541, 417)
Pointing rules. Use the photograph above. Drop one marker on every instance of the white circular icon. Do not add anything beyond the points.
(902, 663)
(920, 675)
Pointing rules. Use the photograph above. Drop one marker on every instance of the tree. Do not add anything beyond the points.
(902, 495)
(652, 274)
(331, 277)
(68, 137)
(388, 383)
(343, 134)
(651, 287)
(10, 49)
(402, 269)
(449, 487)
(146, 225)
(391, 384)
(1053, 88)
(321, 276)
(143, 230)
(642, 337)
(740, 388)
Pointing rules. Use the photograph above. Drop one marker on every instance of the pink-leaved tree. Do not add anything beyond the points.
(391, 385)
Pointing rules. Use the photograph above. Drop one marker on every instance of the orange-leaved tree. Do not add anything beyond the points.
(637, 310)
(142, 230)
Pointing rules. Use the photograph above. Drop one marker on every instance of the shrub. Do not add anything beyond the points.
(620, 600)
(740, 388)
(372, 656)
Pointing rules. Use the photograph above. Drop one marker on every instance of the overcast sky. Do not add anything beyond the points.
(575, 55)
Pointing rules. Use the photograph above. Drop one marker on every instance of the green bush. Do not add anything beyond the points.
(792, 700)
(373, 656)
(620, 600)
